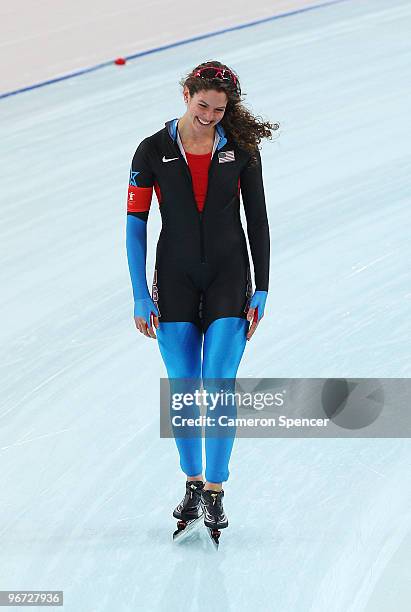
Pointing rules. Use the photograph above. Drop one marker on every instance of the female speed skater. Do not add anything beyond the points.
(202, 306)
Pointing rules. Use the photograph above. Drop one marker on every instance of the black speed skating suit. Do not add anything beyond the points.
(202, 270)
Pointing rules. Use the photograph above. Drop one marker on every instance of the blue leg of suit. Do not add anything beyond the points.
(180, 347)
(224, 344)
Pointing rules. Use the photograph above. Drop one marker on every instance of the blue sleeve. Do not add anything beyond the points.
(136, 244)
(258, 301)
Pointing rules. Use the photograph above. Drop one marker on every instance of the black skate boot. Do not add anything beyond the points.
(189, 510)
(190, 506)
(214, 515)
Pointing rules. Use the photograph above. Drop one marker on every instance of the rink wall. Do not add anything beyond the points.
(47, 40)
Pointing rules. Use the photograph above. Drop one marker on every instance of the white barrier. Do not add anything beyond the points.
(47, 39)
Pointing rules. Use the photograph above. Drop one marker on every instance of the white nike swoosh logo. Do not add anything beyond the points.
(171, 159)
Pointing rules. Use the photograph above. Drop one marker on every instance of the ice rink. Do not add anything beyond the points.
(86, 485)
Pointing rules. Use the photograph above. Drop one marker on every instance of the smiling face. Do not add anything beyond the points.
(205, 109)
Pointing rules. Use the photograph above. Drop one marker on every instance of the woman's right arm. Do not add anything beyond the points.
(140, 191)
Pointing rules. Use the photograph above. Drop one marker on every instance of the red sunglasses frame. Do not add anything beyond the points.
(219, 74)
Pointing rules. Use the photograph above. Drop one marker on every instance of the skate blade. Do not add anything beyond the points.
(185, 527)
(214, 537)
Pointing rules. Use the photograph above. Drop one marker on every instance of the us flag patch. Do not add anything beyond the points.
(226, 156)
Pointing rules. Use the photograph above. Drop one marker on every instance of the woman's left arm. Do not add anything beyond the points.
(252, 191)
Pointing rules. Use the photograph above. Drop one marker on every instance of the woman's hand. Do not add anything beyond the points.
(146, 316)
(256, 311)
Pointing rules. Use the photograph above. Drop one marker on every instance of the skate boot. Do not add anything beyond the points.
(190, 506)
(214, 515)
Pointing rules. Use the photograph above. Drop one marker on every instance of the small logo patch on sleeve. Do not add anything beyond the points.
(139, 199)
(132, 180)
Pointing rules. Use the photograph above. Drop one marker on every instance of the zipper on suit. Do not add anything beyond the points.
(200, 214)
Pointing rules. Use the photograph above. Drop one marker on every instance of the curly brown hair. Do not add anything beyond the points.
(240, 124)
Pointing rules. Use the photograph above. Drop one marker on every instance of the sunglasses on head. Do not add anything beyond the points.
(215, 72)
